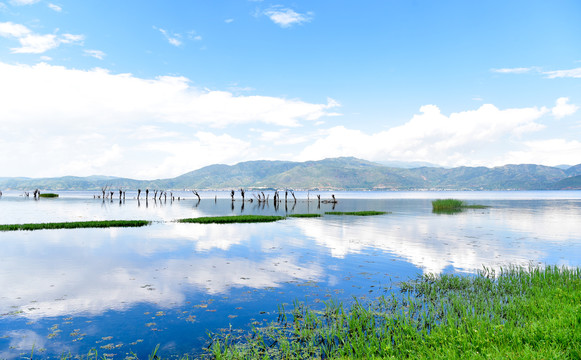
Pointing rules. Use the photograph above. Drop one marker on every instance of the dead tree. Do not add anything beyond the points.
(242, 193)
(146, 193)
(104, 190)
(138, 193)
(293, 194)
(154, 194)
(232, 194)
(196, 193)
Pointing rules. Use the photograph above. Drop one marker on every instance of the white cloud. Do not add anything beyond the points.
(548, 152)
(286, 17)
(23, 2)
(120, 111)
(98, 54)
(9, 29)
(520, 70)
(173, 39)
(31, 43)
(431, 136)
(55, 7)
(571, 73)
(563, 108)
(228, 21)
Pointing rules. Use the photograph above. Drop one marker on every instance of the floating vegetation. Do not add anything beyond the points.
(453, 205)
(232, 219)
(304, 215)
(48, 195)
(76, 225)
(516, 313)
(356, 213)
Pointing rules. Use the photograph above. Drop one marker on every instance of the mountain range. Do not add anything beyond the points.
(345, 173)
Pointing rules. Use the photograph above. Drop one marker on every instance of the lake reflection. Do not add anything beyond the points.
(128, 289)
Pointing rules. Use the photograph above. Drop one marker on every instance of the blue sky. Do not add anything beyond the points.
(152, 89)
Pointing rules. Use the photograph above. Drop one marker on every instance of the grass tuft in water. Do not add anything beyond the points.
(75, 225)
(356, 213)
(232, 219)
(515, 313)
(444, 205)
(304, 215)
(48, 195)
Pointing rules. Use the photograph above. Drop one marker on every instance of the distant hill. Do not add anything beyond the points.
(344, 173)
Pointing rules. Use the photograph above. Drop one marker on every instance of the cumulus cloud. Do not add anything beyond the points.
(550, 152)
(563, 108)
(286, 17)
(98, 122)
(31, 43)
(431, 136)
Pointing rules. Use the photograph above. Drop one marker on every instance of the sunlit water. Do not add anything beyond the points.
(125, 290)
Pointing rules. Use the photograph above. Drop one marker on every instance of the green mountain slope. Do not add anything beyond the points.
(337, 174)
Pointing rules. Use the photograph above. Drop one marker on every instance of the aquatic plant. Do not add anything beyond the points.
(453, 205)
(304, 215)
(48, 195)
(75, 225)
(515, 313)
(231, 219)
(356, 213)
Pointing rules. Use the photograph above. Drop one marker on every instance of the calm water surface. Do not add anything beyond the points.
(125, 290)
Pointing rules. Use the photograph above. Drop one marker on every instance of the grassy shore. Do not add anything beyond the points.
(514, 314)
(75, 225)
(356, 213)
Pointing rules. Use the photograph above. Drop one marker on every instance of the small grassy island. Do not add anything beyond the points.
(231, 219)
(75, 225)
(445, 205)
(48, 195)
(356, 213)
(515, 314)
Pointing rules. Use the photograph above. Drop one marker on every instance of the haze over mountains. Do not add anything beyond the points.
(345, 173)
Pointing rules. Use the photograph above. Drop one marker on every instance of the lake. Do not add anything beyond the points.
(122, 291)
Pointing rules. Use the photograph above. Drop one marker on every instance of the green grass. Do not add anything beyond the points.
(453, 205)
(516, 314)
(49, 195)
(304, 215)
(76, 225)
(231, 219)
(356, 213)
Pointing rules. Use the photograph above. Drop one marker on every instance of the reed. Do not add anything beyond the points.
(48, 195)
(75, 225)
(356, 213)
(453, 205)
